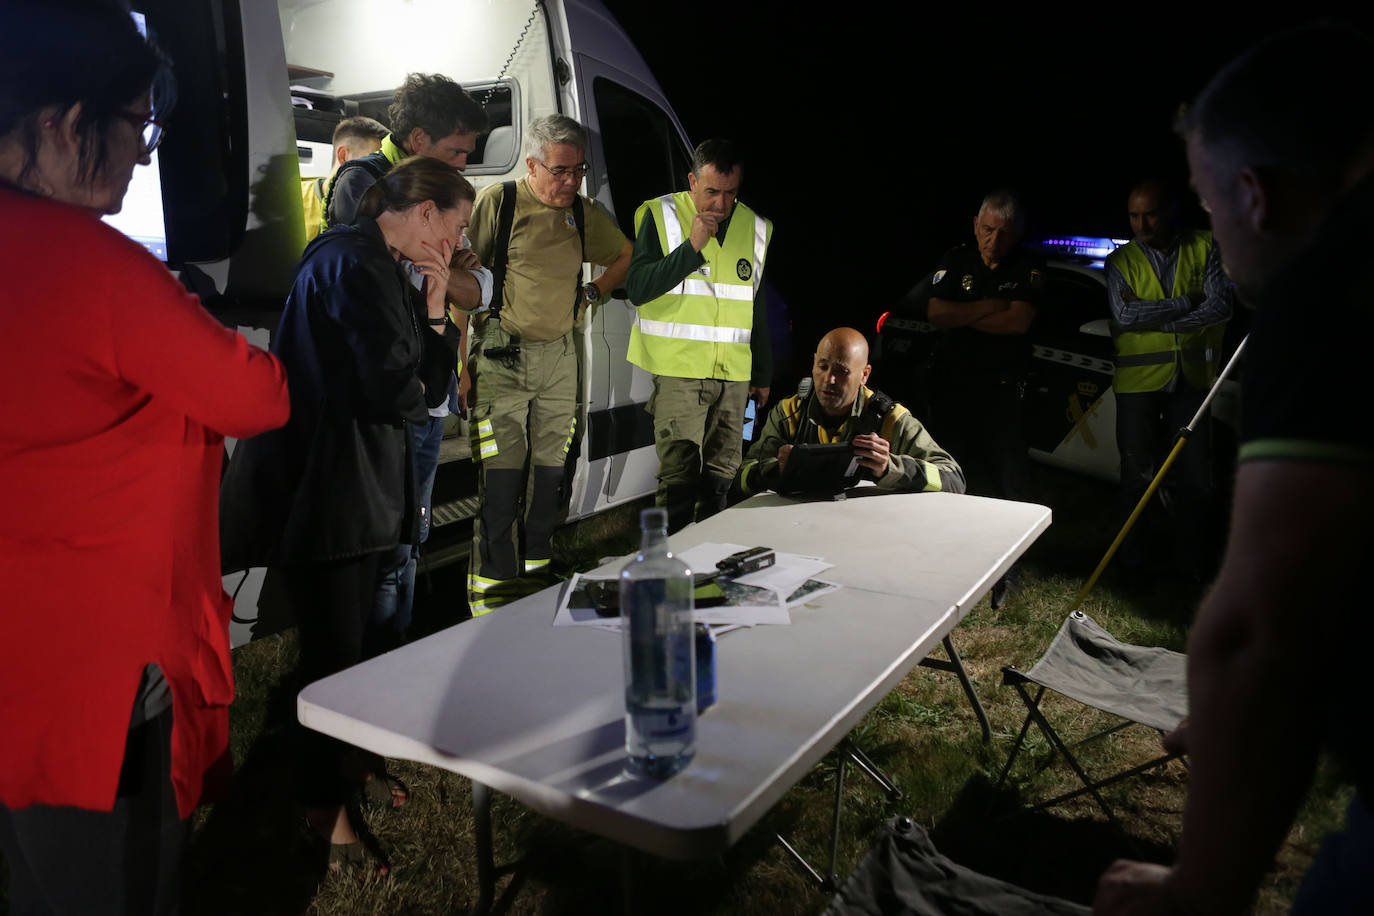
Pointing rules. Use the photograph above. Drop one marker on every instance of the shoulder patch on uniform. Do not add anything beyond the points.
(939, 275)
(569, 221)
(744, 269)
(890, 421)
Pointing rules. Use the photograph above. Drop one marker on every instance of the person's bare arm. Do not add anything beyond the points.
(463, 289)
(1299, 543)
(948, 313)
(614, 275)
(1015, 320)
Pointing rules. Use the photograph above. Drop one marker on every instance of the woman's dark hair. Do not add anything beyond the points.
(414, 181)
(55, 54)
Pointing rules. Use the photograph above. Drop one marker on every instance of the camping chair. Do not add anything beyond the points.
(905, 874)
(1140, 684)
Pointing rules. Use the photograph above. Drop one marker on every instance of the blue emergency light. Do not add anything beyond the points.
(1081, 246)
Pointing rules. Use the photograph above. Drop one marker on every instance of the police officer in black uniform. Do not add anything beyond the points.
(984, 295)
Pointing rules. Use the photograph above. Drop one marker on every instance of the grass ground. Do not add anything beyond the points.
(246, 857)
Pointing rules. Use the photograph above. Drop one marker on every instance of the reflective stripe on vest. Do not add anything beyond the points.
(703, 326)
(1149, 360)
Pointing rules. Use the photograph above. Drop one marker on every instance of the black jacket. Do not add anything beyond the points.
(337, 480)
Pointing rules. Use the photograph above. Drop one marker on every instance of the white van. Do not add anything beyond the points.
(262, 85)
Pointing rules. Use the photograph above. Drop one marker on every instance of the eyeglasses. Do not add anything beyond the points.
(151, 129)
(563, 171)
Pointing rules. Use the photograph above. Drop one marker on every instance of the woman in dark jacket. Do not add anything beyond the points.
(328, 497)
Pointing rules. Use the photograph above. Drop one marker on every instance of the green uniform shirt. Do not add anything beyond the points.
(539, 297)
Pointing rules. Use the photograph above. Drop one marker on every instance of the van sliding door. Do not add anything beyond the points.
(637, 143)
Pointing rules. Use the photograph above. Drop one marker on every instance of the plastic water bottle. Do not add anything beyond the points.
(660, 663)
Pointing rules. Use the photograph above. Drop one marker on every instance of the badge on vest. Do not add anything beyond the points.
(704, 270)
(967, 283)
(569, 221)
(744, 269)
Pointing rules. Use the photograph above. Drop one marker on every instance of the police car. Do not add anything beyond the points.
(1070, 407)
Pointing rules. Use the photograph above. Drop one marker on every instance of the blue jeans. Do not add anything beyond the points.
(395, 600)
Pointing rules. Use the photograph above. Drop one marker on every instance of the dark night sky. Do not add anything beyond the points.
(873, 130)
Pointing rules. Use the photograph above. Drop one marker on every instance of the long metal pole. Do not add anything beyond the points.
(1183, 435)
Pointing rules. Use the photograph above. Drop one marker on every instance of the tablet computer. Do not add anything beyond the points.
(827, 468)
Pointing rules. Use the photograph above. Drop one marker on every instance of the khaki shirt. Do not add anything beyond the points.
(544, 259)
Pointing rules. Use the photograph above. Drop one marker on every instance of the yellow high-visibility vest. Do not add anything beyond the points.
(1148, 360)
(702, 327)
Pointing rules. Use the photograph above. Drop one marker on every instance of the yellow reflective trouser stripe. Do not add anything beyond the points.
(572, 431)
(478, 602)
(484, 440)
(932, 478)
(533, 565)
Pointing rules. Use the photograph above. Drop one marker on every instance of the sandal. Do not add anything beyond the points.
(384, 792)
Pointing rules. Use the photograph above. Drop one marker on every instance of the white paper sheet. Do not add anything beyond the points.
(749, 605)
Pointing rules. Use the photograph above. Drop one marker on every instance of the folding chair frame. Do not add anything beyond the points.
(1015, 678)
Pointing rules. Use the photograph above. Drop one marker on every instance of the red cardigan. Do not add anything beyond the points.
(118, 389)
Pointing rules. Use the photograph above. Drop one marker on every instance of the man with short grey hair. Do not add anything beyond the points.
(984, 295)
(535, 234)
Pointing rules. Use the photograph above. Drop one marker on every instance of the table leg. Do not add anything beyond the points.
(956, 665)
(486, 864)
(832, 877)
(864, 763)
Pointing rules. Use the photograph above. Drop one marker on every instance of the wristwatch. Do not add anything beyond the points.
(591, 293)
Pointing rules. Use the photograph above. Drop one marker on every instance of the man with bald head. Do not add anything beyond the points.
(891, 446)
(1170, 302)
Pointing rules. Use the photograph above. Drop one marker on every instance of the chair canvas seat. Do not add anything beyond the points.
(1141, 683)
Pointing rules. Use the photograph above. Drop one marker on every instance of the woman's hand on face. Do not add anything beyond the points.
(434, 266)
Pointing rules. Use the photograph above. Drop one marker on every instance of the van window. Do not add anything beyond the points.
(317, 113)
(643, 149)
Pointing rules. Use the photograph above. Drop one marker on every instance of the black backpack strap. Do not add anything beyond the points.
(505, 217)
(375, 164)
(580, 218)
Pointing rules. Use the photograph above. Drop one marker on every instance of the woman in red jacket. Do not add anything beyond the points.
(115, 675)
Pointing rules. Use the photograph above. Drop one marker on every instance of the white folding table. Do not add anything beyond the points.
(537, 712)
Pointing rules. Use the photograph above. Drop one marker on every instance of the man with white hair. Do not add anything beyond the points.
(984, 294)
(535, 234)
